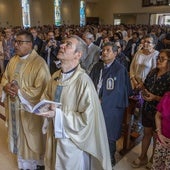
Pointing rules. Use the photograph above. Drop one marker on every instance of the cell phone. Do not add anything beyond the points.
(14, 83)
(53, 40)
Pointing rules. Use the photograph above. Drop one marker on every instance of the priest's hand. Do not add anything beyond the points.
(9, 90)
(14, 87)
(48, 111)
(48, 114)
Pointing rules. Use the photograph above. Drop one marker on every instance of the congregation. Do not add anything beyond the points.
(92, 71)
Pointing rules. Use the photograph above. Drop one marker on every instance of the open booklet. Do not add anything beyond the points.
(42, 106)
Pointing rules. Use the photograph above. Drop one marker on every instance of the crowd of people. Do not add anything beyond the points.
(92, 71)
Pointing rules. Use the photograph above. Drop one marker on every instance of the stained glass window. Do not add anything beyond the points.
(57, 12)
(25, 13)
(82, 13)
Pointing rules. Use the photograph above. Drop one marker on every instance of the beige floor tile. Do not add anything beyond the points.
(7, 159)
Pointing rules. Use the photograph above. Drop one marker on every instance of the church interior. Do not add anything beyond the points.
(76, 16)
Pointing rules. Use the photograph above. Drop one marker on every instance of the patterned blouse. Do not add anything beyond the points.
(156, 85)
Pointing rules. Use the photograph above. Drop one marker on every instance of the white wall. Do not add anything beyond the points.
(8, 14)
(70, 12)
(108, 8)
(42, 11)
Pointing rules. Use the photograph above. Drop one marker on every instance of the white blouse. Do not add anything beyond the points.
(142, 64)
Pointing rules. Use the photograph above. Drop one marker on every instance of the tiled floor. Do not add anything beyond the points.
(124, 163)
(8, 161)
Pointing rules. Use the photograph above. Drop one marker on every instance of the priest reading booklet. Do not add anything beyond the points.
(42, 106)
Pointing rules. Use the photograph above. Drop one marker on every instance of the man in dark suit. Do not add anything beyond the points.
(99, 40)
(37, 43)
(112, 83)
(49, 52)
(132, 45)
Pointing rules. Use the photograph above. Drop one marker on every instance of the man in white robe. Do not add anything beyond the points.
(76, 134)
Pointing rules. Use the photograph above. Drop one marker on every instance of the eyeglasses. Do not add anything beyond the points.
(162, 59)
(20, 42)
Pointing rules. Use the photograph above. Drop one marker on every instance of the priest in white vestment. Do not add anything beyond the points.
(76, 132)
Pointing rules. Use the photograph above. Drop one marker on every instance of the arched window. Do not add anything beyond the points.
(25, 4)
(57, 12)
(82, 13)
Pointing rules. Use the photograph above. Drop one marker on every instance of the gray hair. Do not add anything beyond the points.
(153, 37)
(111, 44)
(89, 35)
(81, 46)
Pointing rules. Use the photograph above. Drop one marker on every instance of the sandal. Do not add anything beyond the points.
(149, 165)
(138, 163)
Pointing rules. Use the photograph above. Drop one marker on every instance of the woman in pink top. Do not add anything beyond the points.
(161, 160)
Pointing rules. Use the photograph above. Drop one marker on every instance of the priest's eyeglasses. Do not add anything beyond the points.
(20, 42)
